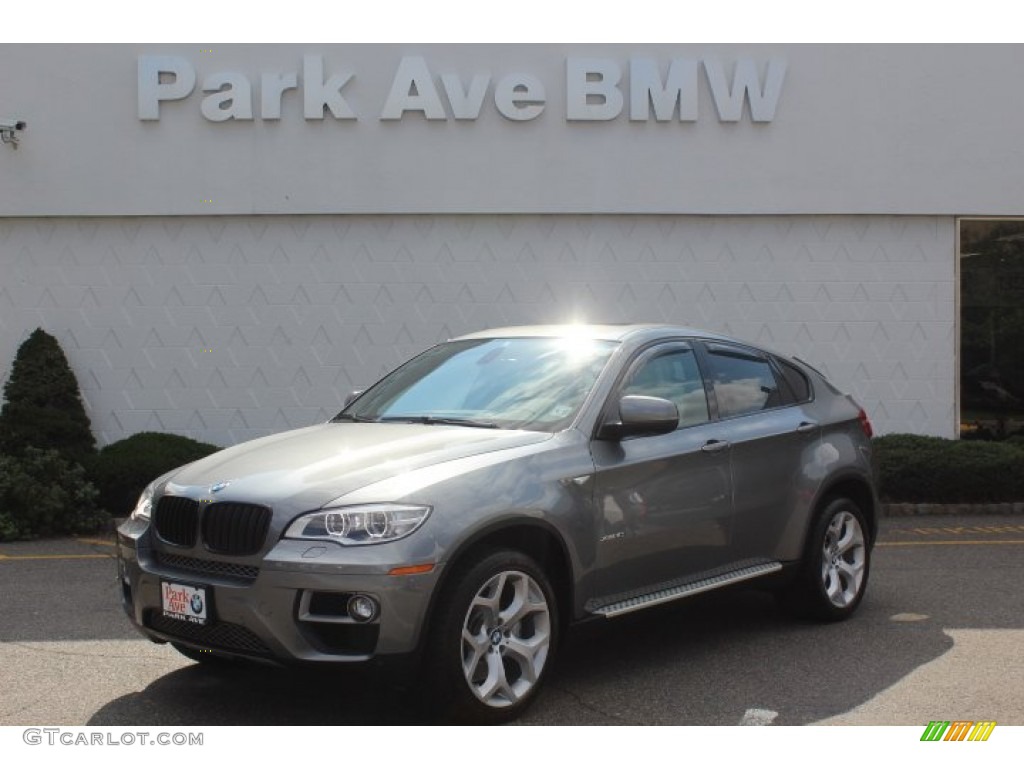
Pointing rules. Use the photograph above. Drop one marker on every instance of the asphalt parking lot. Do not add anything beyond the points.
(938, 637)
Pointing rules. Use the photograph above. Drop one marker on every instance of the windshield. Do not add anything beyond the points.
(528, 383)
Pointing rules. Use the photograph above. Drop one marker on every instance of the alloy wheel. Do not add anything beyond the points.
(843, 559)
(506, 637)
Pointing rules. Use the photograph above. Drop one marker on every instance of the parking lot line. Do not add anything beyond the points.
(941, 542)
(98, 542)
(959, 530)
(56, 557)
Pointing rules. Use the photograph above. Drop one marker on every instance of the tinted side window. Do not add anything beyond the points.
(798, 383)
(742, 384)
(676, 377)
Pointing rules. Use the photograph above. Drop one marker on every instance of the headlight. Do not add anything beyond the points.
(365, 524)
(144, 506)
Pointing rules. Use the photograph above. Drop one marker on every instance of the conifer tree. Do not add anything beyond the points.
(42, 404)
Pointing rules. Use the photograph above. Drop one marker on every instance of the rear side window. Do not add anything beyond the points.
(799, 386)
(742, 383)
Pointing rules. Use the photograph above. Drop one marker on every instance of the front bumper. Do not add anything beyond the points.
(289, 609)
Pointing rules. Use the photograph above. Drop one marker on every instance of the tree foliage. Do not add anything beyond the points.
(123, 469)
(43, 494)
(42, 404)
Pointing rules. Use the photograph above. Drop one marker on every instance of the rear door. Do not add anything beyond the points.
(772, 435)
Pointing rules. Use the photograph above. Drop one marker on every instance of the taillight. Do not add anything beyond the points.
(865, 423)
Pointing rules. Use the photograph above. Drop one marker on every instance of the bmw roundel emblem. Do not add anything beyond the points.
(197, 604)
(216, 487)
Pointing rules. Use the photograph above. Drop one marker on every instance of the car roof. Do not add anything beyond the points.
(606, 332)
(635, 334)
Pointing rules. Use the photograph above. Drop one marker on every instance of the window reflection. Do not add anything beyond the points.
(991, 329)
(514, 383)
(742, 384)
(673, 376)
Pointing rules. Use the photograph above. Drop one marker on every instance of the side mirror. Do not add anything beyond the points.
(352, 396)
(641, 415)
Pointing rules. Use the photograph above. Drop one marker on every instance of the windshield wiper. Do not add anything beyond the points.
(353, 417)
(442, 420)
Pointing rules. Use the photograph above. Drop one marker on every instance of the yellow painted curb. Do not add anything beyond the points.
(56, 557)
(940, 542)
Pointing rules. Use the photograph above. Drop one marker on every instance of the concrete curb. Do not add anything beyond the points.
(923, 510)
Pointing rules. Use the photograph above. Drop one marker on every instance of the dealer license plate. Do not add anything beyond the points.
(184, 602)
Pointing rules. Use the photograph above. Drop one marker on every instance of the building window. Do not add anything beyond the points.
(991, 328)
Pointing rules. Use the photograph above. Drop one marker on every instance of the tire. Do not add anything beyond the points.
(834, 574)
(494, 639)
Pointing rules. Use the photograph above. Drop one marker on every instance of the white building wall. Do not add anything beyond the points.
(229, 328)
(853, 129)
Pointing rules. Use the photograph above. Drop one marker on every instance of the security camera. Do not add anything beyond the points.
(8, 130)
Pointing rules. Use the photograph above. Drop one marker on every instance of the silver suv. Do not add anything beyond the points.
(472, 504)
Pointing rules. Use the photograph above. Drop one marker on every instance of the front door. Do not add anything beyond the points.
(664, 501)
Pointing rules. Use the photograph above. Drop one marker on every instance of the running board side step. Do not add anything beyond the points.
(660, 596)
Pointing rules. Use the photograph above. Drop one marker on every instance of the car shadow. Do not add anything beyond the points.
(709, 661)
(704, 661)
(251, 694)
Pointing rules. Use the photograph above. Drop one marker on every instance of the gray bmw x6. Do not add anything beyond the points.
(472, 504)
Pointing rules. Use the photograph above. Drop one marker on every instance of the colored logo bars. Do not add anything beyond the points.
(958, 730)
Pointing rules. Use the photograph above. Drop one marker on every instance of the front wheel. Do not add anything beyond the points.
(837, 559)
(495, 638)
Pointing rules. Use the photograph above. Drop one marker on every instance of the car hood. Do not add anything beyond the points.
(310, 467)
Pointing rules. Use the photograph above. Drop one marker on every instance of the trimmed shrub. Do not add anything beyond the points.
(43, 494)
(42, 405)
(8, 528)
(123, 469)
(918, 469)
(1016, 440)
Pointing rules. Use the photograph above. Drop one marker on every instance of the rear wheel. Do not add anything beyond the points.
(494, 641)
(837, 559)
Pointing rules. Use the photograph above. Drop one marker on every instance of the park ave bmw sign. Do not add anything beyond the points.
(596, 89)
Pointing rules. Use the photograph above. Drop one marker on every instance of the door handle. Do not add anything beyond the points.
(807, 427)
(715, 446)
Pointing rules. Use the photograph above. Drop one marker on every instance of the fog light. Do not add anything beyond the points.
(362, 608)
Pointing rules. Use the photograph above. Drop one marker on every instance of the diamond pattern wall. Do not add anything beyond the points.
(229, 328)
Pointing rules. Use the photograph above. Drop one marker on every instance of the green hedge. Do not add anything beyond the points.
(123, 469)
(918, 469)
(43, 494)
